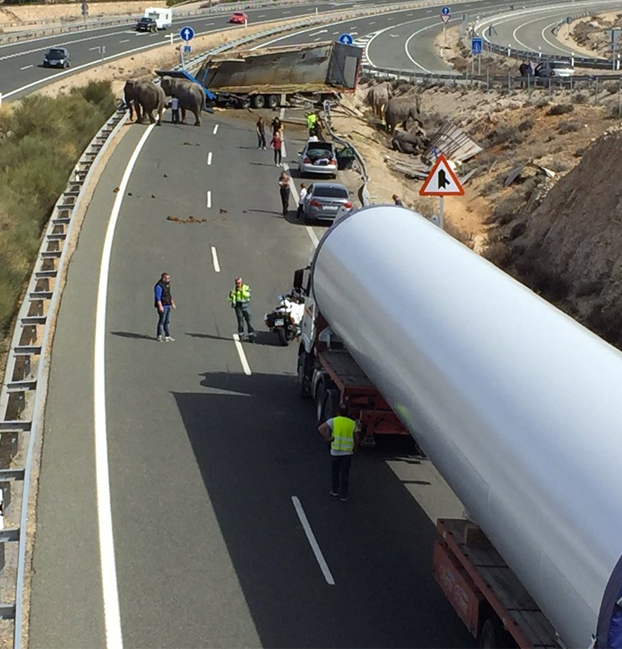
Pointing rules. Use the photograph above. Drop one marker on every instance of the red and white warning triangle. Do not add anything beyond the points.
(442, 180)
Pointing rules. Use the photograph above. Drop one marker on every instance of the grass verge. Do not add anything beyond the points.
(41, 140)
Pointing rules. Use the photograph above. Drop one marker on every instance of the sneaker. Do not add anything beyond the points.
(334, 494)
(252, 337)
(169, 339)
(160, 339)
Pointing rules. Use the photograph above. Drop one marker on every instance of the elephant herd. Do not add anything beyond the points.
(399, 109)
(147, 98)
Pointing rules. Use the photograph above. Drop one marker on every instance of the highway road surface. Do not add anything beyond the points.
(212, 457)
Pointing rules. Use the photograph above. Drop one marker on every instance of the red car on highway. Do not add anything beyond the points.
(238, 17)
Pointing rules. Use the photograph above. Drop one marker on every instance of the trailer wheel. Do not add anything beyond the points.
(303, 384)
(320, 400)
(273, 101)
(245, 102)
(494, 636)
(259, 101)
(331, 403)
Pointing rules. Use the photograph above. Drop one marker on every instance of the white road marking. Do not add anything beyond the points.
(337, 32)
(94, 48)
(209, 199)
(319, 557)
(312, 236)
(215, 129)
(112, 615)
(261, 16)
(209, 158)
(127, 40)
(209, 24)
(215, 260)
(27, 66)
(322, 31)
(238, 345)
(373, 22)
(289, 11)
(317, 39)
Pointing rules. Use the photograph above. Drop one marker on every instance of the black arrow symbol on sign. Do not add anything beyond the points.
(443, 181)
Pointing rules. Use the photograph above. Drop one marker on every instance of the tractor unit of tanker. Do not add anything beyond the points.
(516, 404)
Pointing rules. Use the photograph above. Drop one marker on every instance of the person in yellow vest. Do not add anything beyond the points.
(312, 120)
(240, 298)
(343, 435)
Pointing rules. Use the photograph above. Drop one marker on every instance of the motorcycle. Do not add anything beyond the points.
(285, 319)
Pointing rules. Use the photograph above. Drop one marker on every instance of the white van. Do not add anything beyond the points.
(163, 17)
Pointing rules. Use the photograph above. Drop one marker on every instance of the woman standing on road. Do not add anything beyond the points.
(277, 144)
(284, 190)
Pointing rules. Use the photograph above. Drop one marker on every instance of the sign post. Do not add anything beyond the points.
(186, 34)
(476, 50)
(445, 17)
(441, 181)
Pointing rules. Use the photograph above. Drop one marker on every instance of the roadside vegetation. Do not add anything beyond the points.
(41, 140)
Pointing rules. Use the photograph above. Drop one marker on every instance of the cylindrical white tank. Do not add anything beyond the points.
(517, 405)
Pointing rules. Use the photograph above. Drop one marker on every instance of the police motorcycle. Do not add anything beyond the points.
(285, 318)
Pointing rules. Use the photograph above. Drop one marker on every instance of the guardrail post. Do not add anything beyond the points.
(596, 92)
(509, 83)
(619, 97)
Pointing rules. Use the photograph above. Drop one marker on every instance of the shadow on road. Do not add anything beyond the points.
(132, 334)
(256, 445)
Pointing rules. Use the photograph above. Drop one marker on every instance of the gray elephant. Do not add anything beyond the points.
(379, 96)
(411, 142)
(399, 110)
(190, 95)
(144, 97)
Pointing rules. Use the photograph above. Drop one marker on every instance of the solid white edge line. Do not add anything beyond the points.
(313, 542)
(209, 199)
(215, 260)
(238, 345)
(112, 614)
(209, 158)
(215, 129)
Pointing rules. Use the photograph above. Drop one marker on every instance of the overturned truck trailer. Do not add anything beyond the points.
(271, 77)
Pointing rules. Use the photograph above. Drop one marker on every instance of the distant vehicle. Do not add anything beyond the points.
(324, 200)
(57, 57)
(238, 18)
(163, 17)
(548, 69)
(318, 158)
(146, 25)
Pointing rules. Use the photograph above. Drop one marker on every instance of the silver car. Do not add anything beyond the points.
(324, 201)
(318, 158)
(548, 69)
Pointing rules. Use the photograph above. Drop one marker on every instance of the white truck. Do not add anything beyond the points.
(163, 17)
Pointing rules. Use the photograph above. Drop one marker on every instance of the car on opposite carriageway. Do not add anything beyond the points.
(238, 18)
(57, 57)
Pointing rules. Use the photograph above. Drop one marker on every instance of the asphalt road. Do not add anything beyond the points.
(204, 459)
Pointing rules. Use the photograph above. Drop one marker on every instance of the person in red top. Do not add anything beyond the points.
(276, 143)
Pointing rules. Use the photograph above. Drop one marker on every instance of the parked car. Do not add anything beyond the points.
(324, 201)
(318, 158)
(57, 57)
(146, 24)
(238, 17)
(561, 69)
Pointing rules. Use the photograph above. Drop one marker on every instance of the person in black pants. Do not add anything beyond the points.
(163, 302)
(284, 190)
(277, 145)
(261, 133)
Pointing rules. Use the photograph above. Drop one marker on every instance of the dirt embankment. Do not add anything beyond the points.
(589, 36)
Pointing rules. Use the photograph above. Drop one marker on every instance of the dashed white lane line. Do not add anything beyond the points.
(238, 345)
(209, 158)
(215, 129)
(27, 66)
(110, 592)
(94, 48)
(209, 199)
(319, 557)
(322, 31)
(215, 260)
(127, 40)
(261, 16)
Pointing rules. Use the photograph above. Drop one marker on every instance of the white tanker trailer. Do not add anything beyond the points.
(517, 405)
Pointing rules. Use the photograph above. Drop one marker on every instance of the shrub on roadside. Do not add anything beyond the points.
(41, 140)
(560, 109)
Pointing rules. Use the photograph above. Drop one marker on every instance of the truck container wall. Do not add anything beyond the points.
(516, 404)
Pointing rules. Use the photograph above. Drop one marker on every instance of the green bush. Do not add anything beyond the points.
(41, 140)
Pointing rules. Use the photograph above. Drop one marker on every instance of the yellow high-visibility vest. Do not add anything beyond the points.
(343, 434)
(241, 295)
(311, 120)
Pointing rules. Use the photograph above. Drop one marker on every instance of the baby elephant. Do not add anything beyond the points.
(190, 95)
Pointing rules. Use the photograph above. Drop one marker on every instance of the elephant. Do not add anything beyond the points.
(144, 97)
(191, 96)
(411, 142)
(399, 110)
(378, 96)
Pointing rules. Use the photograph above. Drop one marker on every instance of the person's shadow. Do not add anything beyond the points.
(132, 334)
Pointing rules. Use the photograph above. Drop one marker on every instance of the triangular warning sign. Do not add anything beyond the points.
(441, 181)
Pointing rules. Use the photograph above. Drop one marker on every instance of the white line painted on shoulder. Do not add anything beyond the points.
(313, 542)
(312, 236)
(209, 199)
(27, 66)
(215, 260)
(110, 592)
(127, 40)
(209, 158)
(215, 129)
(238, 345)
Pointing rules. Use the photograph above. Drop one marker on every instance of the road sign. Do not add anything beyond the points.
(346, 39)
(441, 181)
(445, 11)
(187, 49)
(445, 18)
(476, 46)
(186, 34)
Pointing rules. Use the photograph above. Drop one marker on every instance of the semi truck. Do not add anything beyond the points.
(516, 405)
(273, 77)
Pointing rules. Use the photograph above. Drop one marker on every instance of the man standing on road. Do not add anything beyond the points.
(342, 433)
(261, 133)
(397, 200)
(311, 122)
(174, 110)
(301, 201)
(284, 191)
(240, 298)
(164, 303)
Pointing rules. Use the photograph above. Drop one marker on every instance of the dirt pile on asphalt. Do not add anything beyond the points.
(568, 248)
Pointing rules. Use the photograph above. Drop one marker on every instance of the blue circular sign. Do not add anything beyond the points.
(346, 39)
(445, 11)
(186, 34)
